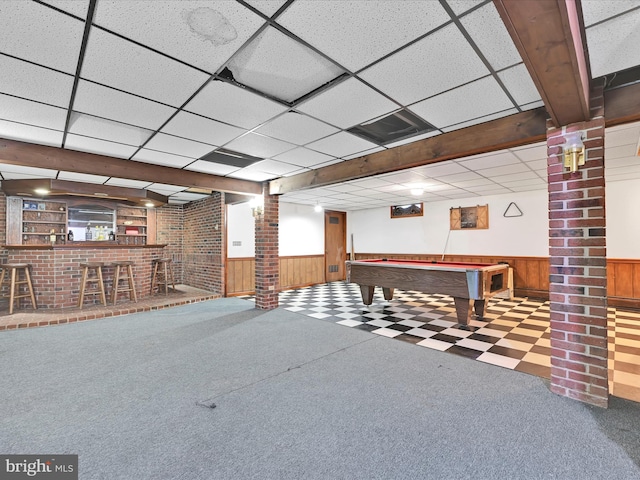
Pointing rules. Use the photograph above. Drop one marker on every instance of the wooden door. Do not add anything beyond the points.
(335, 245)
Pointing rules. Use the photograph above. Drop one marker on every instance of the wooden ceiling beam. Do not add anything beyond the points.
(621, 105)
(515, 130)
(53, 158)
(550, 36)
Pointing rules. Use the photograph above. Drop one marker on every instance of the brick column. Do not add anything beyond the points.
(578, 264)
(267, 260)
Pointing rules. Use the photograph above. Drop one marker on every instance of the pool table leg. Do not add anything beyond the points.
(388, 293)
(464, 306)
(367, 294)
(479, 308)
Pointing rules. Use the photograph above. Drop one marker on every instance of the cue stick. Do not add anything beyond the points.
(445, 245)
(353, 256)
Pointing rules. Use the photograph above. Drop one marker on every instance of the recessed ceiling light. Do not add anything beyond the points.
(41, 191)
(417, 191)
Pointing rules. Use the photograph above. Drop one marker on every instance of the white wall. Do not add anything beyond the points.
(301, 230)
(374, 231)
(623, 219)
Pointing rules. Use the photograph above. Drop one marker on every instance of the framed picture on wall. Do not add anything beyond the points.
(463, 218)
(413, 210)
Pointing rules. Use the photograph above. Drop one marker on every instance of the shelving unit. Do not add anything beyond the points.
(132, 224)
(39, 218)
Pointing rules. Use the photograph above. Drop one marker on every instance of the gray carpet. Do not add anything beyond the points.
(220, 390)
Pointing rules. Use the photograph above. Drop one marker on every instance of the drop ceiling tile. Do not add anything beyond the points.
(210, 167)
(461, 6)
(460, 177)
(470, 184)
(296, 172)
(96, 127)
(525, 175)
(265, 65)
(613, 45)
(536, 181)
(492, 190)
(40, 34)
(491, 36)
(296, 128)
(268, 7)
(24, 111)
(234, 105)
(621, 151)
(202, 33)
(358, 33)
(370, 183)
(477, 99)
(82, 177)
(347, 188)
(8, 171)
(78, 8)
(413, 139)
(178, 146)
(114, 105)
(622, 135)
(252, 175)
(519, 84)
(27, 133)
(25, 80)
(195, 127)
(363, 153)
(528, 188)
(259, 145)
(504, 170)
(347, 104)
(476, 121)
(445, 55)
(100, 147)
(161, 158)
(441, 168)
(485, 161)
(536, 165)
(188, 196)
(531, 152)
(341, 144)
(595, 11)
(118, 63)
(303, 157)
(272, 167)
(126, 182)
(612, 163)
(532, 105)
(165, 189)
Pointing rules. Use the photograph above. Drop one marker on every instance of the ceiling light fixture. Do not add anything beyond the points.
(317, 208)
(41, 191)
(416, 192)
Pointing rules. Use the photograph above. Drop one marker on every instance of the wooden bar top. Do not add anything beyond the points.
(79, 245)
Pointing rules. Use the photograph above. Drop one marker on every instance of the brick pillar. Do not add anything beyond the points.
(578, 264)
(267, 260)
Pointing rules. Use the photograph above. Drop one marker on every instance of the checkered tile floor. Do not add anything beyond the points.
(514, 333)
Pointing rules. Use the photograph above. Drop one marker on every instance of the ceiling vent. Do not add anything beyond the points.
(229, 157)
(396, 126)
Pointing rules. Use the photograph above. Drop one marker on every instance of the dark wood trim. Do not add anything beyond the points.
(621, 105)
(42, 156)
(79, 246)
(550, 37)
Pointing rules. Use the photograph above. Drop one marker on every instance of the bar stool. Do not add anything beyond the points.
(11, 274)
(162, 275)
(96, 268)
(119, 287)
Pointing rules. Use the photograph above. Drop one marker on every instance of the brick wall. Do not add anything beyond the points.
(266, 246)
(169, 232)
(578, 265)
(204, 248)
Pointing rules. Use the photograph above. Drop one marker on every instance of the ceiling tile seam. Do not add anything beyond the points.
(33, 101)
(613, 17)
(484, 60)
(53, 7)
(31, 125)
(477, 118)
(76, 79)
(36, 64)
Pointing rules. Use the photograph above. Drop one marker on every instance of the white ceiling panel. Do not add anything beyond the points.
(100, 147)
(30, 171)
(595, 11)
(363, 153)
(622, 135)
(40, 34)
(24, 111)
(27, 133)
(82, 177)
(211, 167)
(440, 169)
(458, 178)
(531, 152)
(476, 121)
(251, 175)
(194, 127)
(413, 139)
(484, 161)
(524, 175)
(613, 45)
(275, 169)
(303, 157)
(445, 55)
(115, 105)
(296, 128)
(223, 101)
(178, 146)
(161, 158)
(519, 84)
(341, 144)
(78, 8)
(268, 7)
(477, 99)
(164, 189)
(461, 6)
(470, 184)
(96, 127)
(347, 104)
(621, 151)
(126, 182)
(120, 64)
(504, 170)
(490, 35)
(202, 33)
(357, 33)
(29, 81)
(259, 145)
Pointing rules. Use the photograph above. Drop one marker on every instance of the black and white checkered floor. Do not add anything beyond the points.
(514, 333)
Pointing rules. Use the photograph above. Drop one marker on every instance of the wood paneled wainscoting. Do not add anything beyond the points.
(530, 274)
(295, 272)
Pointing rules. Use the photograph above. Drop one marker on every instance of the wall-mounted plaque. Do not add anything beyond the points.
(413, 210)
(469, 217)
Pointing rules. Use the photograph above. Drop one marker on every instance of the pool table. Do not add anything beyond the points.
(470, 284)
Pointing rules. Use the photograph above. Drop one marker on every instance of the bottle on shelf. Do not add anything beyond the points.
(112, 236)
(70, 235)
(89, 235)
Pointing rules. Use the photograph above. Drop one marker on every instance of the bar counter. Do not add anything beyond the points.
(56, 272)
